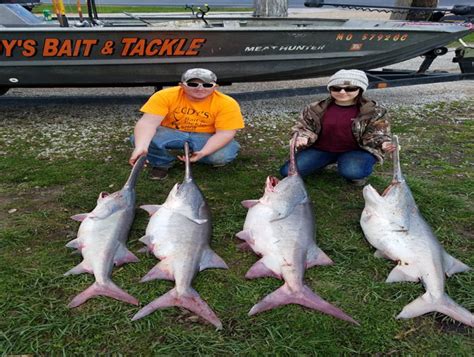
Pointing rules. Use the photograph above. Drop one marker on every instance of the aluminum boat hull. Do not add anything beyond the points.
(236, 49)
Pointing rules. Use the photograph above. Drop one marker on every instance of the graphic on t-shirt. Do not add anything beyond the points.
(188, 119)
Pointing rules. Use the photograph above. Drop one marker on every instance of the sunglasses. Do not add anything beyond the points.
(346, 89)
(195, 85)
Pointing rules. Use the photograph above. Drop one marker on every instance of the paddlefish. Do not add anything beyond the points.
(178, 234)
(393, 224)
(101, 240)
(280, 227)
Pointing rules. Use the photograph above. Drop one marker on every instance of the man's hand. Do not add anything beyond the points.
(300, 141)
(195, 156)
(136, 154)
(388, 147)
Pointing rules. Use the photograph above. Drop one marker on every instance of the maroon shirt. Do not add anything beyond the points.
(336, 129)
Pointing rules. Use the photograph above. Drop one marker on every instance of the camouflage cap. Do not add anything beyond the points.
(203, 74)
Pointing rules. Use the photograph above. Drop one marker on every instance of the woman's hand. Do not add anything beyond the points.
(300, 141)
(388, 147)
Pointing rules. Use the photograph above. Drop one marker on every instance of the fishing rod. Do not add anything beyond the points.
(79, 11)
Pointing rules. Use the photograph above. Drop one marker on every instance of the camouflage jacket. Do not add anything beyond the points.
(370, 128)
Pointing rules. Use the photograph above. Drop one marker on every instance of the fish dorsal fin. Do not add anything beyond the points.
(151, 209)
(80, 217)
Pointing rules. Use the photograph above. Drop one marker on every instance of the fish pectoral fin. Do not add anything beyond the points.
(259, 270)
(146, 239)
(403, 273)
(249, 203)
(198, 220)
(211, 260)
(151, 209)
(316, 256)
(245, 235)
(123, 255)
(379, 254)
(453, 265)
(244, 247)
(161, 271)
(80, 217)
(74, 244)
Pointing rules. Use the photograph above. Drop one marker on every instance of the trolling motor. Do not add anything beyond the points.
(199, 12)
(457, 12)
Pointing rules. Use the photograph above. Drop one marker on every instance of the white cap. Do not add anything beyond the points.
(349, 77)
(203, 74)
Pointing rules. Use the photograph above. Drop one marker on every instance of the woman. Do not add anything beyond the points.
(346, 128)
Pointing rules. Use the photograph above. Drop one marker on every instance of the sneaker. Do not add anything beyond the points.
(158, 173)
(359, 182)
(218, 165)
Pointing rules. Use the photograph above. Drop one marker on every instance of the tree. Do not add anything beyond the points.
(271, 8)
(414, 15)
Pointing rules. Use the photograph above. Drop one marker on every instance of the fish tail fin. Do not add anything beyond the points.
(190, 301)
(284, 296)
(108, 289)
(445, 305)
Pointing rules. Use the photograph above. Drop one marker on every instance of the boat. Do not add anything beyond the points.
(154, 51)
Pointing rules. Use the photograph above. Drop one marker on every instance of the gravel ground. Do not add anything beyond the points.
(135, 96)
(407, 95)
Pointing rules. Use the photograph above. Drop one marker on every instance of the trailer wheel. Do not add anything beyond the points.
(3, 90)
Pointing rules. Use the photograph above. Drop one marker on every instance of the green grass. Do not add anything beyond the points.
(469, 38)
(45, 184)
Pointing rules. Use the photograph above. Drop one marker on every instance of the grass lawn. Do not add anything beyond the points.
(54, 163)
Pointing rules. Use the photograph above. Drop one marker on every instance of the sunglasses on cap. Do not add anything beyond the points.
(195, 85)
(346, 89)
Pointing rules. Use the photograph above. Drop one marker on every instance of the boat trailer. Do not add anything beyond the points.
(388, 78)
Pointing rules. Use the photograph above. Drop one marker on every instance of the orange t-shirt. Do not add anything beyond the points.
(218, 111)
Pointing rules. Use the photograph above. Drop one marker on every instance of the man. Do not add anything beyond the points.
(194, 111)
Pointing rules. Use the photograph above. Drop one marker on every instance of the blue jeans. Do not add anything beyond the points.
(352, 165)
(166, 138)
